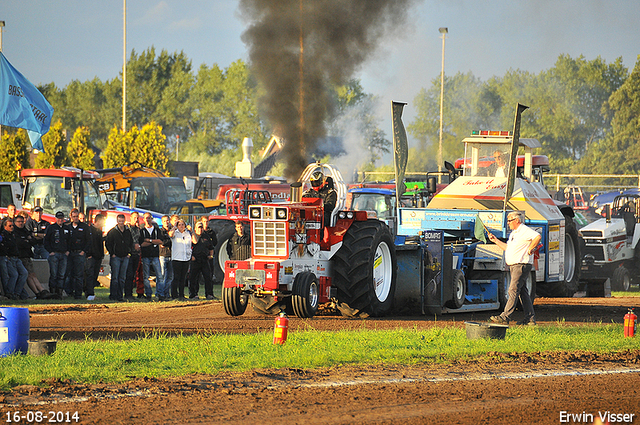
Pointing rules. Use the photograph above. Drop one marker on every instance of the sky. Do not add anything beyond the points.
(60, 41)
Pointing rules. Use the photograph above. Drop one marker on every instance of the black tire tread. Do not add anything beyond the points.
(232, 299)
(353, 269)
(454, 302)
(224, 231)
(299, 299)
(618, 278)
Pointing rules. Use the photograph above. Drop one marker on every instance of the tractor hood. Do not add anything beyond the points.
(487, 193)
(601, 229)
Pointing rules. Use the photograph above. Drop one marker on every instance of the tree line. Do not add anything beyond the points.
(584, 112)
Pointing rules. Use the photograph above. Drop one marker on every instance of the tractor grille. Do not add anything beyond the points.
(270, 238)
(591, 233)
(596, 251)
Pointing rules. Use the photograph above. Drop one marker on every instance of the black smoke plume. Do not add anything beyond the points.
(298, 49)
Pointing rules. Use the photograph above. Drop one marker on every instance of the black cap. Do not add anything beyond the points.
(59, 214)
(37, 209)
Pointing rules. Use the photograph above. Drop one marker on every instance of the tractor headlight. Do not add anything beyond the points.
(254, 212)
(350, 214)
(281, 213)
(342, 215)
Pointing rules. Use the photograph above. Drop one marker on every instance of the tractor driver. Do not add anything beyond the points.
(500, 164)
(323, 188)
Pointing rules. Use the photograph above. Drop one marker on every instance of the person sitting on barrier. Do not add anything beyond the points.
(518, 254)
(323, 188)
(24, 240)
(14, 288)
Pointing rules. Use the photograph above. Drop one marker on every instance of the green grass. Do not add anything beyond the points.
(157, 355)
(634, 291)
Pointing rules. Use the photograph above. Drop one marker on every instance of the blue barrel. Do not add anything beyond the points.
(14, 331)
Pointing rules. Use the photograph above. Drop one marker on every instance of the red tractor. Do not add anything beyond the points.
(298, 261)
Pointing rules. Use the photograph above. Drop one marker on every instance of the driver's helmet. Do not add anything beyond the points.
(317, 178)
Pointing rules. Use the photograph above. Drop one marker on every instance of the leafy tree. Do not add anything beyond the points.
(79, 154)
(119, 147)
(205, 132)
(149, 147)
(224, 112)
(566, 108)
(148, 76)
(619, 152)
(54, 154)
(463, 94)
(14, 155)
(567, 103)
(241, 108)
(174, 109)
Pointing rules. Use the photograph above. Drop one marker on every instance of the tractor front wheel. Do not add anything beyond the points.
(459, 290)
(621, 280)
(234, 301)
(304, 299)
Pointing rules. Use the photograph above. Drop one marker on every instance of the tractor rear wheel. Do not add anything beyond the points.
(304, 300)
(572, 264)
(621, 280)
(365, 270)
(224, 231)
(234, 301)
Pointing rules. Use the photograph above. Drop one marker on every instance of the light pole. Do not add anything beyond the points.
(124, 67)
(443, 31)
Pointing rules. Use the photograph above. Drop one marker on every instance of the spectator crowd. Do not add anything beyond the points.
(75, 250)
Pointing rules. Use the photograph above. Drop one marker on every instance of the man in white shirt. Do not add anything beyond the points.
(518, 254)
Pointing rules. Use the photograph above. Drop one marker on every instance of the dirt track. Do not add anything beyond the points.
(535, 389)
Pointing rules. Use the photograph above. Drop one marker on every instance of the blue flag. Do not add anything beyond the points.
(22, 105)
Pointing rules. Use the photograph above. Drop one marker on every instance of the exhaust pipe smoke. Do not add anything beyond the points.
(298, 49)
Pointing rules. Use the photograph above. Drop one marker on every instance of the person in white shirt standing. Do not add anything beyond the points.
(518, 254)
(180, 258)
